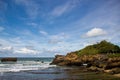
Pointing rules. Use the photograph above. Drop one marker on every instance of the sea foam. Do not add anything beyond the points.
(23, 66)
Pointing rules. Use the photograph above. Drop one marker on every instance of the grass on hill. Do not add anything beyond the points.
(102, 47)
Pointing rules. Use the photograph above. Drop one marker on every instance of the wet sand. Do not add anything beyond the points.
(57, 73)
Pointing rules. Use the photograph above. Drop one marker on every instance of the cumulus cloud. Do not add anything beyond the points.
(95, 32)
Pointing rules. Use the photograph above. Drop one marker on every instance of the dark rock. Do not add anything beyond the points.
(8, 59)
(42, 61)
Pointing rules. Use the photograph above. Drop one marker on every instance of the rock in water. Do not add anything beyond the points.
(8, 59)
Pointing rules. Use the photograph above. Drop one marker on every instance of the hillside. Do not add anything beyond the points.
(102, 47)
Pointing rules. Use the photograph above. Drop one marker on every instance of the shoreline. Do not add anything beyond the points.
(98, 64)
(58, 73)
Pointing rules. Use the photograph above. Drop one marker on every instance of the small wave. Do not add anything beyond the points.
(23, 66)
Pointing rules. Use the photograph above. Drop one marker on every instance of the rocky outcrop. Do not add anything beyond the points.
(58, 59)
(103, 56)
(71, 59)
(8, 59)
(98, 62)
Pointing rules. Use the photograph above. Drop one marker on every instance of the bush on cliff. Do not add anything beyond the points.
(102, 47)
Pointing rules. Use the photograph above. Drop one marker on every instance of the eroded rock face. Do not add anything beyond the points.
(71, 59)
(97, 62)
(113, 63)
(58, 59)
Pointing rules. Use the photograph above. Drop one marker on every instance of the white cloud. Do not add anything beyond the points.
(105, 16)
(6, 49)
(44, 33)
(95, 32)
(26, 51)
(61, 9)
(1, 29)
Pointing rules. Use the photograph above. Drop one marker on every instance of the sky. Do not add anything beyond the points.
(45, 28)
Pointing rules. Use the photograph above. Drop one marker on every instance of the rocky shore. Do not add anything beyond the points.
(101, 57)
(98, 62)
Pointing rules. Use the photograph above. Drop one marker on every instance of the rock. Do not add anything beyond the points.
(95, 61)
(95, 69)
(92, 68)
(117, 75)
(58, 59)
(108, 71)
(112, 65)
(98, 62)
(112, 71)
(71, 56)
(72, 59)
(8, 59)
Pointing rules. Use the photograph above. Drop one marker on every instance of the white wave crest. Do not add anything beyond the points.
(23, 66)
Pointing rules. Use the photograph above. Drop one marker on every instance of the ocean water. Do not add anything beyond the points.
(39, 69)
(31, 69)
(24, 64)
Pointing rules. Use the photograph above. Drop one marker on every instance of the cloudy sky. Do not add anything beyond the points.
(44, 28)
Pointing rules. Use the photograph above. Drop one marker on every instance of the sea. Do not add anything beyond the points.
(33, 68)
(40, 69)
(24, 64)
(27, 69)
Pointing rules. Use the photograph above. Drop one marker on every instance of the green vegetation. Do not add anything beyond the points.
(102, 47)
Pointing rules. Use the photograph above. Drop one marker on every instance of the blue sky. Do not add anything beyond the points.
(44, 28)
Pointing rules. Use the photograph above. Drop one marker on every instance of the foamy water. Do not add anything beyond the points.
(24, 65)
